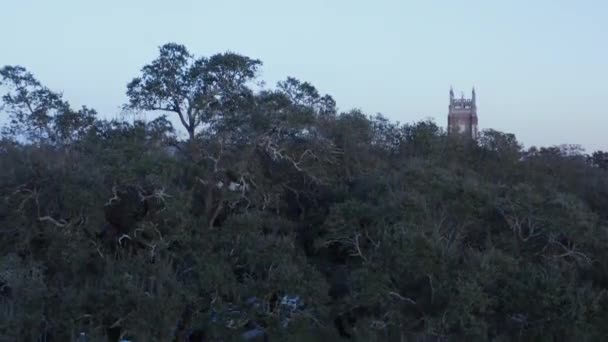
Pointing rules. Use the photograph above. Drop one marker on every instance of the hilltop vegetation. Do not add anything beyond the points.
(279, 214)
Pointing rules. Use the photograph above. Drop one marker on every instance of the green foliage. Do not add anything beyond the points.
(39, 114)
(281, 214)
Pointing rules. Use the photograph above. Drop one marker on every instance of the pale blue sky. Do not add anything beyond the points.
(540, 66)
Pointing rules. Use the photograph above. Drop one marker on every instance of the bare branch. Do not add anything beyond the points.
(97, 248)
(524, 227)
(33, 195)
(355, 243)
(137, 230)
(62, 223)
(114, 196)
(158, 194)
(432, 288)
(400, 297)
(177, 109)
(215, 214)
(569, 250)
(374, 243)
(123, 236)
(352, 241)
(160, 236)
(216, 159)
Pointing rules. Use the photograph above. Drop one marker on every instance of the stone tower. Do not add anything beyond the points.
(462, 116)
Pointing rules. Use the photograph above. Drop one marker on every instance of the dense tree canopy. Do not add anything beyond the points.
(281, 217)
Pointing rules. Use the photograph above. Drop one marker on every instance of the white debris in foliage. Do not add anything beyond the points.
(233, 186)
(292, 302)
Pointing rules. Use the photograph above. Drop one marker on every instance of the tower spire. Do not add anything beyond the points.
(473, 95)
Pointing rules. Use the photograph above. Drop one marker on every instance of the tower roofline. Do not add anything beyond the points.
(473, 91)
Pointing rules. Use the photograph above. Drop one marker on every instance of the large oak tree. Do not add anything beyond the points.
(198, 90)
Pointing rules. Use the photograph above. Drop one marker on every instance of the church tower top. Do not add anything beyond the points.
(462, 115)
(462, 102)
